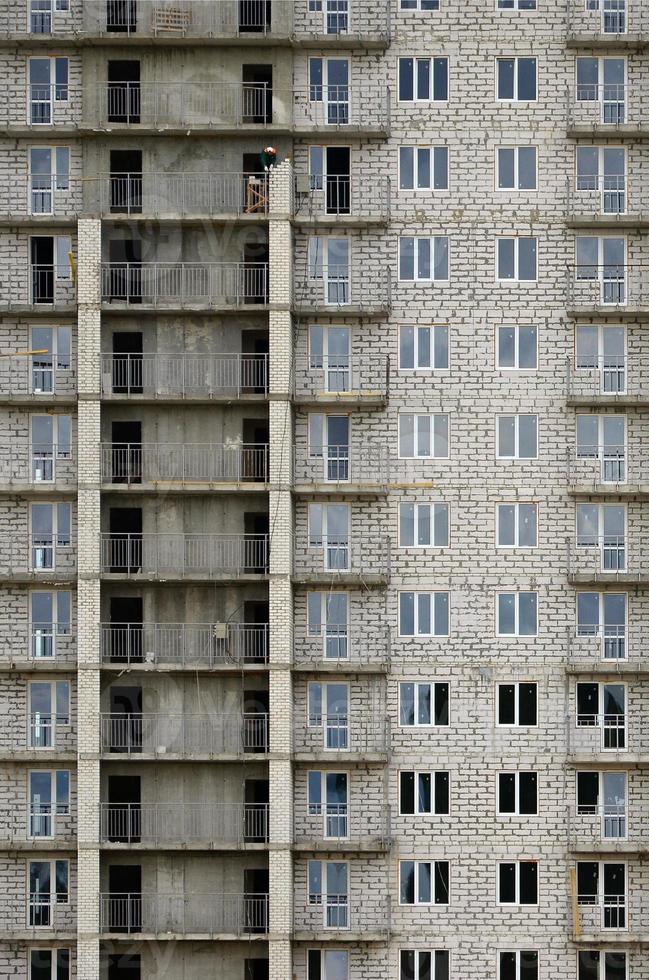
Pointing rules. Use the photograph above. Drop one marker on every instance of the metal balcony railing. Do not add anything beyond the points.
(198, 645)
(352, 285)
(184, 734)
(184, 823)
(605, 917)
(343, 912)
(603, 107)
(183, 914)
(188, 105)
(192, 19)
(342, 825)
(38, 912)
(341, 734)
(356, 18)
(31, 465)
(608, 734)
(605, 556)
(342, 195)
(41, 195)
(185, 463)
(186, 555)
(200, 376)
(335, 554)
(603, 465)
(38, 286)
(610, 197)
(43, 374)
(176, 194)
(50, 731)
(342, 107)
(40, 642)
(331, 377)
(35, 105)
(607, 286)
(185, 284)
(37, 555)
(342, 645)
(607, 18)
(608, 375)
(607, 646)
(340, 465)
(598, 826)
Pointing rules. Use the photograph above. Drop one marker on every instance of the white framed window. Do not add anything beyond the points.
(601, 173)
(517, 704)
(602, 348)
(423, 168)
(603, 795)
(604, 615)
(48, 86)
(329, 532)
(423, 614)
(603, 706)
(50, 617)
(604, 884)
(602, 261)
(328, 618)
(603, 526)
(601, 964)
(49, 964)
(328, 709)
(516, 525)
(49, 885)
(518, 964)
(518, 882)
(516, 259)
(327, 964)
(424, 704)
(423, 436)
(516, 436)
(423, 5)
(328, 887)
(54, 346)
(516, 4)
(424, 348)
(424, 793)
(423, 525)
(49, 172)
(49, 711)
(423, 79)
(49, 798)
(424, 259)
(603, 438)
(517, 794)
(424, 964)
(516, 347)
(424, 883)
(516, 79)
(51, 441)
(50, 525)
(516, 613)
(516, 168)
(603, 81)
(328, 798)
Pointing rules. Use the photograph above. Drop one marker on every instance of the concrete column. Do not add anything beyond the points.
(88, 597)
(281, 563)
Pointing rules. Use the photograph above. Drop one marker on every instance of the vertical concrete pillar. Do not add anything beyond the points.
(281, 563)
(88, 596)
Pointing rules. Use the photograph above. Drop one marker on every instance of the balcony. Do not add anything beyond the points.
(41, 108)
(333, 379)
(201, 286)
(37, 557)
(176, 196)
(608, 649)
(337, 109)
(340, 469)
(342, 738)
(45, 468)
(343, 559)
(40, 197)
(190, 21)
(51, 732)
(608, 24)
(331, 647)
(344, 917)
(191, 646)
(37, 916)
(184, 825)
(184, 736)
(199, 107)
(186, 466)
(187, 377)
(334, 199)
(43, 646)
(618, 739)
(611, 379)
(43, 377)
(184, 556)
(38, 289)
(364, 23)
(186, 914)
(613, 289)
(611, 109)
(354, 289)
(609, 558)
(609, 828)
(342, 827)
(612, 918)
(615, 201)
(607, 470)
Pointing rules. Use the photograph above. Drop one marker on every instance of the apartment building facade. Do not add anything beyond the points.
(324, 546)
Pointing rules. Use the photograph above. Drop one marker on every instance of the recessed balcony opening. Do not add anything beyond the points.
(126, 181)
(121, 16)
(257, 94)
(127, 363)
(254, 16)
(124, 96)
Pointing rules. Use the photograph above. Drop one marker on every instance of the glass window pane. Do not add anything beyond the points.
(407, 613)
(505, 167)
(407, 704)
(507, 347)
(527, 613)
(527, 436)
(441, 613)
(441, 525)
(407, 525)
(407, 348)
(527, 348)
(423, 167)
(441, 258)
(527, 168)
(406, 72)
(423, 348)
(526, 79)
(440, 79)
(506, 525)
(527, 258)
(407, 258)
(505, 77)
(440, 181)
(506, 428)
(406, 167)
(505, 258)
(506, 613)
(440, 336)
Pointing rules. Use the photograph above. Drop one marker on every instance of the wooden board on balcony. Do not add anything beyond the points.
(171, 20)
